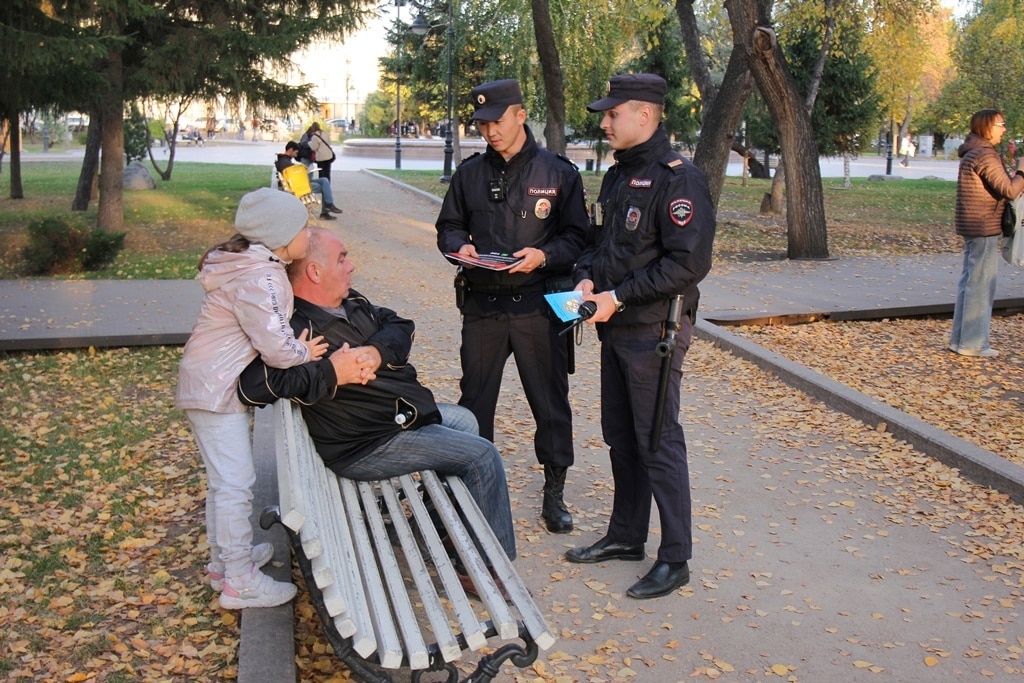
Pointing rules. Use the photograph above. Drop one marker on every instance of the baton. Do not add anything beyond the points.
(664, 350)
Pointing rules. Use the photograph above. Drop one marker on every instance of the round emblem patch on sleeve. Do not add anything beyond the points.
(681, 211)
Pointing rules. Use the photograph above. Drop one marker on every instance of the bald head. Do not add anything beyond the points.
(324, 276)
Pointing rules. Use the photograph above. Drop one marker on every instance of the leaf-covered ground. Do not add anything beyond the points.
(906, 364)
(803, 516)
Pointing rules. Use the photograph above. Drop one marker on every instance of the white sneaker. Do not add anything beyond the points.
(261, 554)
(982, 353)
(255, 590)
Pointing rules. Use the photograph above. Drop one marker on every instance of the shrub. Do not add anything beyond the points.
(101, 249)
(53, 246)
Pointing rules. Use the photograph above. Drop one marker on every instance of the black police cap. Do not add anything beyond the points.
(490, 100)
(626, 87)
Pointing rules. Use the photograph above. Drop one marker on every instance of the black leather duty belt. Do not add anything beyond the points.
(504, 290)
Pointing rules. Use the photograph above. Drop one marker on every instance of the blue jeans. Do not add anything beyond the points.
(975, 294)
(450, 448)
(323, 186)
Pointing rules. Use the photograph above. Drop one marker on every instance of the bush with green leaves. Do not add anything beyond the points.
(101, 249)
(54, 246)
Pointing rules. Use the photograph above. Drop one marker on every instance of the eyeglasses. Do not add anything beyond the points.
(1001, 124)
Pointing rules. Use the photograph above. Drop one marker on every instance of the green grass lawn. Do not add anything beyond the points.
(170, 227)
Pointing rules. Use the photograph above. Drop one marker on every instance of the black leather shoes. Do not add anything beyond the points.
(663, 578)
(606, 549)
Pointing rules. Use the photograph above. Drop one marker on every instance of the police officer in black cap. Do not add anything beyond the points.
(650, 244)
(520, 200)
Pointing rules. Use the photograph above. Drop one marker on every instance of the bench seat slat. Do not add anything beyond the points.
(534, 621)
(401, 605)
(384, 631)
(501, 615)
(447, 642)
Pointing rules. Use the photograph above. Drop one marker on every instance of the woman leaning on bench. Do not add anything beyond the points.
(365, 409)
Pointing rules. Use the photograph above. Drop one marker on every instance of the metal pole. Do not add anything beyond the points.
(398, 88)
(448, 150)
(890, 142)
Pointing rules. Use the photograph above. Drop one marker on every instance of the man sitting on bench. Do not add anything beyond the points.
(387, 423)
(321, 185)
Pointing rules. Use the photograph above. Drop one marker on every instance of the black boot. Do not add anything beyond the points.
(556, 517)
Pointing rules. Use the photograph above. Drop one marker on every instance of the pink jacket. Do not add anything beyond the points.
(245, 312)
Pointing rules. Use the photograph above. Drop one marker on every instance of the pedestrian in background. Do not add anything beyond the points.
(650, 242)
(324, 153)
(521, 200)
(983, 187)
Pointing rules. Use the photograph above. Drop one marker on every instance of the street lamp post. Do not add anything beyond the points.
(420, 27)
(446, 174)
(398, 88)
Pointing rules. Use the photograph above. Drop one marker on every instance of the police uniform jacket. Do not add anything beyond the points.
(535, 199)
(348, 422)
(656, 235)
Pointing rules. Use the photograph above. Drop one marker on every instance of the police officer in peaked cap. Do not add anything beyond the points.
(648, 247)
(521, 201)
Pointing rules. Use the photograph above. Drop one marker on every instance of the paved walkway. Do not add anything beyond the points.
(806, 565)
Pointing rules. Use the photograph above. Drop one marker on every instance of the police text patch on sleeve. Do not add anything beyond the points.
(681, 211)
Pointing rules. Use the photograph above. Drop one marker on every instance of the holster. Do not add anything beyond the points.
(461, 287)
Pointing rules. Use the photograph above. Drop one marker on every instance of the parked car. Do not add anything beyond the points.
(76, 122)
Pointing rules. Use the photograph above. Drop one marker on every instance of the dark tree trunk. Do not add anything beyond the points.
(110, 215)
(87, 175)
(551, 68)
(773, 200)
(722, 108)
(805, 205)
(17, 191)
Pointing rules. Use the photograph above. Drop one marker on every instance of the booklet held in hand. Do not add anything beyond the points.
(492, 261)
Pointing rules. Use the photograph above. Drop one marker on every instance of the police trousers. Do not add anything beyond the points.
(630, 370)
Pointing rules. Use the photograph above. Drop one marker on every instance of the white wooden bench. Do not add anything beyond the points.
(379, 575)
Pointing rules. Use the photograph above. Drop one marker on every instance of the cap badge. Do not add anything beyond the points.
(481, 99)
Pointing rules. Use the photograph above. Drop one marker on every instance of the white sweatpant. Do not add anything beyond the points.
(225, 442)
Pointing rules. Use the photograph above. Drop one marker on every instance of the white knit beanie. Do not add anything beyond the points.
(271, 217)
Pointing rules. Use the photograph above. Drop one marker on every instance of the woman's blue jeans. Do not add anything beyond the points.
(972, 316)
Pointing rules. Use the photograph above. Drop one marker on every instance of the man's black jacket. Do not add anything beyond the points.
(348, 422)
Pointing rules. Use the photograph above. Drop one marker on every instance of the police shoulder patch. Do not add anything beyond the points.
(681, 211)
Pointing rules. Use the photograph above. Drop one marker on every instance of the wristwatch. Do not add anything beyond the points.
(619, 306)
(544, 259)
